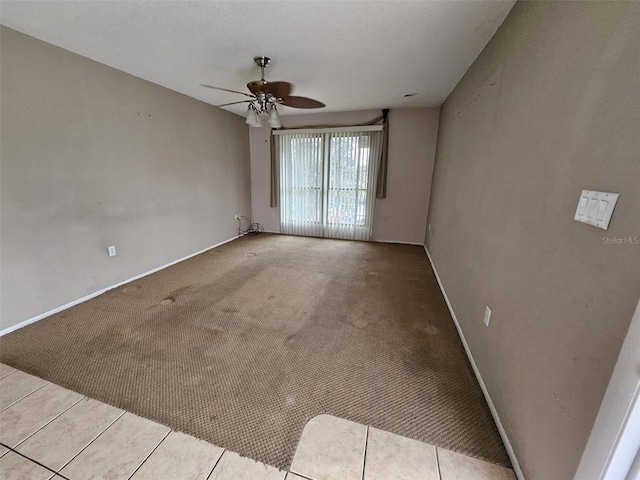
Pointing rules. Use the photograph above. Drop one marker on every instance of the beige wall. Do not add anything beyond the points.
(81, 170)
(550, 107)
(401, 217)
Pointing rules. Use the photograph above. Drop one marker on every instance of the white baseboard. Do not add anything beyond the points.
(483, 387)
(31, 320)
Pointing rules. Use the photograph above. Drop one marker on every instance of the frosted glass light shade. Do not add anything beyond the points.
(258, 122)
(274, 118)
(253, 118)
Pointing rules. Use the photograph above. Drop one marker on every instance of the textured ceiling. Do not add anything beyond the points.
(352, 55)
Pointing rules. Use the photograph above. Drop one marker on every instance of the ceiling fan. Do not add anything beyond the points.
(266, 96)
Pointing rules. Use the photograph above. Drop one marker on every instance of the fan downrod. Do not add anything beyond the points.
(262, 62)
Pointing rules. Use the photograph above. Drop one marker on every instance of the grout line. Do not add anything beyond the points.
(22, 398)
(7, 374)
(66, 409)
(364, 454)
(33, 461)
(216, 464)
(90, 442)
(437, 463)
(150, 453)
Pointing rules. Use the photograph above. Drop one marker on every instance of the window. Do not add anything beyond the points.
(327, 181)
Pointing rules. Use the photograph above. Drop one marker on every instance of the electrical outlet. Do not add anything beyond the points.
(431, 229)
(487, 316)
(237, 217)
(112, 251)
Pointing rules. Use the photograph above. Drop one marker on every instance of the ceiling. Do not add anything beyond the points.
(351, 55)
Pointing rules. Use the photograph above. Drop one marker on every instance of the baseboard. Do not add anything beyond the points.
(483, 387)
(398, 242)
(374, 240)
(100, 292)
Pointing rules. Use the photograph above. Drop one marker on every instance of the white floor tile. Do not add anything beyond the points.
(5, 370)
(63, 438)
(180, 456)
(330, 448)
(119, 451)
(16, 386)
(400, 458)
(30, 414)
(454, 466)
(234, 467)
(16, 467)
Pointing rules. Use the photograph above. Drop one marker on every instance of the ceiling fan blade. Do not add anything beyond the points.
(233, 103)
(226, 90)
(301, 102)
(277, 89)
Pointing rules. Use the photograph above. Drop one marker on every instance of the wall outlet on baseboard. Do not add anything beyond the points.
(112, 250)
(487, 316)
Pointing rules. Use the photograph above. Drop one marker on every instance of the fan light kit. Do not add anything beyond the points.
(266, 96)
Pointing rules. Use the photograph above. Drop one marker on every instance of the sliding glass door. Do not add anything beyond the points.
(301, 184)
(327, 182)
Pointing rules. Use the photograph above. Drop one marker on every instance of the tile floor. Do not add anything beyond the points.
(49, 432)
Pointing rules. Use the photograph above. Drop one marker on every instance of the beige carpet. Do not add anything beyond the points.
(243, 344)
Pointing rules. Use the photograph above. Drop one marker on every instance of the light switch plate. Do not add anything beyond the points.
(487, 316)
(596, 208)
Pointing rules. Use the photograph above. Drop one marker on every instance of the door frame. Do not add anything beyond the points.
(614, 442)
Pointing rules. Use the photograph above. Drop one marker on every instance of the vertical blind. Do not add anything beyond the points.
(327, 182)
